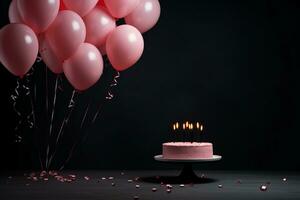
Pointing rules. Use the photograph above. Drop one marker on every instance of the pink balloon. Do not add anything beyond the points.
(98, 25)
(38, 14)
(82, 7)
(124, 47)
(121, 8)
(66, 34)
(18, 48)
(13, 13)
(102, 49)
(145, 15)
(48, 56)
(84, 68)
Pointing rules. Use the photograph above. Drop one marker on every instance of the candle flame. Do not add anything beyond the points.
(177, 125)
(186, 123)
(183, 126)
(201, 127)
(197, 125)
(192, 126)
(174, 127)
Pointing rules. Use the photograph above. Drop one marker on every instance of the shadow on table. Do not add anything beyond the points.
(177, 180)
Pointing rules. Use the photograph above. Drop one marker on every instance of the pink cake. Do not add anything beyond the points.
(187, 150)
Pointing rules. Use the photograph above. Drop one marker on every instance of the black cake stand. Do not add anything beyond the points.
(187, 174)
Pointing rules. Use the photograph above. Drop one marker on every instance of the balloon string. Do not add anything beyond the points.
(110, 96)
(31, 117)
(66, 119)
(75, 144)
(51, 120)
(46, 85)
(15, 97)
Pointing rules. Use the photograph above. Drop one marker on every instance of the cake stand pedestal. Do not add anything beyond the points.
(187, 173)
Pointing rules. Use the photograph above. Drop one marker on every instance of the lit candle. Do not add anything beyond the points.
(192, 132)
(184, 132)
(201, 129)
(174, 129)
(187, 124)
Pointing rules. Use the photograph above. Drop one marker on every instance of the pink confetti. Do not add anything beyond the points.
(284, 179)
(263, 188)
(169, 186)
(72, 176)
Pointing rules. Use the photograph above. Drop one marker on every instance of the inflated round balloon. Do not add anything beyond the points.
(84, 68)
(82, 7)
(66, 34)
(48, 56)
(18, 48)
(62, 6)
(121, 8)
(124, 47)
(102, 49)
(101, 3)
(145, 15)
(98, 25)
(38, 14)
(13, 13)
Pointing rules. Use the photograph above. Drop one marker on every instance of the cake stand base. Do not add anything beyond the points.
(187, 174)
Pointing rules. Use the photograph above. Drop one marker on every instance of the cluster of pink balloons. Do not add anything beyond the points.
(73, 35)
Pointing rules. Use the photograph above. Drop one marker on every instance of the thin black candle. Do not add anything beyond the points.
(174, 132)
(201, 129)
(192, 132)
(197, 129)
(183, 132)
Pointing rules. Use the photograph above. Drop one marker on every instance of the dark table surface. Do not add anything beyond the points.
(89, 185)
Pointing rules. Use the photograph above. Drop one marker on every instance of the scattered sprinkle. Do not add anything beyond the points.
(263, 188)
(284, 179)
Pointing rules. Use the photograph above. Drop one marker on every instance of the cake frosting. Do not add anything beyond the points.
(187, 150)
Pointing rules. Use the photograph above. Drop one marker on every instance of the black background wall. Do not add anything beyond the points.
(232, 64)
